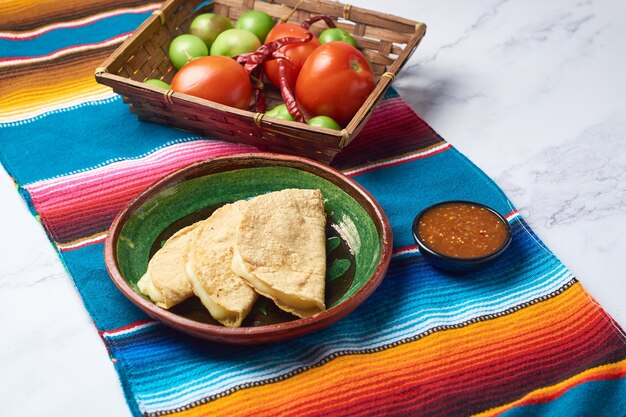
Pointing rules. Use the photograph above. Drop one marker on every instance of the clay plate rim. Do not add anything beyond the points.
(260, 334)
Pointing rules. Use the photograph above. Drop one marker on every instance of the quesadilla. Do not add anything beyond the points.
(165, 280)
(226, 295)
(280, 249)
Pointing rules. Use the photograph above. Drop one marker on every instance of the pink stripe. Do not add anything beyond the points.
(64, 203)
(103, 197)
(97, 176)
(117, 185)
(75, 23)
(158, 158)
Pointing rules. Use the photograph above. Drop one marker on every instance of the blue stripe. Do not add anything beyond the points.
(591, 399)
(82, 138)
(52, 41)
(91, 140)
(104, 302)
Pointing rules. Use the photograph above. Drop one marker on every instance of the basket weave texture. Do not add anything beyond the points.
(386, 41)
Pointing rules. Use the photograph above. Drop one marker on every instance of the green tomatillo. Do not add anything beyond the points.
(280, 112)
(184, 48)
(257, 22)
(324, 121)
(235, 42)
(208, 26)
(336, 34)
(157, 83)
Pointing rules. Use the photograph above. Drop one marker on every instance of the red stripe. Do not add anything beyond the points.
(511, 214)
(108, 198)
(454, 366)
(412, 247)
(551, 396)
(499, 388)
(65, 230)
(127, 327)
(581, 356)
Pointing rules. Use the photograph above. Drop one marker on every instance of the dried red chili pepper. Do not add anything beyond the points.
(287, 94)
(313, 19)
(252, 60)
(252, 65)
(256, 77)
(260, 106)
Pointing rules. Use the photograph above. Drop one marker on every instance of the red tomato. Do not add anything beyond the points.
(297, 53)
(217, 78)
(335, 81)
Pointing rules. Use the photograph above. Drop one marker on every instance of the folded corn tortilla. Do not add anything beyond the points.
(226, 295)
(165, 280)
(280, 249)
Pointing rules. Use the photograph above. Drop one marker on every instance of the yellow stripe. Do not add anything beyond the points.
(28, 102)
(40, 88)
(26, 6)
(27, 15)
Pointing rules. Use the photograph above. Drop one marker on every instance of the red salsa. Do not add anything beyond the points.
(462, 230)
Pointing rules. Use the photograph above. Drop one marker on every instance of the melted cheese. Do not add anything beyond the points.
(146, 286)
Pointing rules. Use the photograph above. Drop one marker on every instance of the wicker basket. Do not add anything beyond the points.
(386, 41)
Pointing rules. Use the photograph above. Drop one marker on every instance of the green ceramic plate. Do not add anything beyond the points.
(358, 239)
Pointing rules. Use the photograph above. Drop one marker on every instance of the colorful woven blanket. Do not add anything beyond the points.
(519, 338)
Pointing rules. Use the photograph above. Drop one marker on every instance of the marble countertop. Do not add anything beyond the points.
(533, 92)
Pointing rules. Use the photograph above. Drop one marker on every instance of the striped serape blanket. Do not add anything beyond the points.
(522, 337)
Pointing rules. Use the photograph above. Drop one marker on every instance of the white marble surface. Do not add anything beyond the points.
(532, 91)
